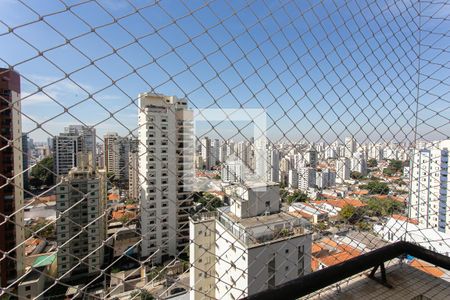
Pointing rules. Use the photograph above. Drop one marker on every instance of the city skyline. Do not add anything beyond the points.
(288, 86)
(224, 149)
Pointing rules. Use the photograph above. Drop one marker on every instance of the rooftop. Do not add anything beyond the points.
(44, 260)
(263, 220)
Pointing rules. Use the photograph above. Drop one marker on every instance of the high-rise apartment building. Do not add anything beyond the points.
(350, 147)
(293, 179)
(66, 146)
(306, 178)
(311, 157)
(430, 187)
(326, 178)
(109, 140)
(215, 152)
(81, 219)
(273, 168)
(11, 194)
(133, 170)
(166, 166)
(247, 247)
(342, 169)
(116, 153)
(244, 153)
(233, 170)
(358, 163)
(206, 153)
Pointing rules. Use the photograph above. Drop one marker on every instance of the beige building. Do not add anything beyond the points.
(81, 221)
(166, 171)
(247, 247)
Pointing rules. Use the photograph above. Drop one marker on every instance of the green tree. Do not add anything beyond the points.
(395, 165)
(388, 171)
(350, 214)
(209, 201)
(142, 294)
(364, 226)
(297, 196)
(384, 207)
(372, 163)
(42, 172)
(356, 175)
(376, 187)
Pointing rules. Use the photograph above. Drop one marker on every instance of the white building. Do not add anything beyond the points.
(224, 151)
(207, 153)
(306, 178)
(309, 212)
(293, 179)
(273, 168)
(66, 146)
(233, 171)
(311, 157)
(342, 169)
(247, 247)
(429, 188)
(325, 179)
(166, 154)
(81, 220)
(350, 147)
(330, 153)
(358, 163)
(399, 228)
(375, 152)
(133, 170)
(117, 152)
(244, 153)
(215, 152)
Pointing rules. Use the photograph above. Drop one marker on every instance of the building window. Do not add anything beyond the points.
(301, 260)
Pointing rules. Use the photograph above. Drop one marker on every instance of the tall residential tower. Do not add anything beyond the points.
(166, 170)
(11, 195)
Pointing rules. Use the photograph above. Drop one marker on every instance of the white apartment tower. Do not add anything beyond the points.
(116, 152)
(306, 178)
(430, 188)
(293, 179)
(109, 140)
(166, 158)
(325, 179)
(342, 169)
(233, 170)
(81, 220)
(206, 152)
(350, 147)
(358, 163)
(133, 169)
(66, 146)
(311, 156)
(247, 247)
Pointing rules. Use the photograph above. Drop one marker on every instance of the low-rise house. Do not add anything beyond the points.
(309, 212)
(401, 228)
(334, 206)
(327, 252)
(44, 269)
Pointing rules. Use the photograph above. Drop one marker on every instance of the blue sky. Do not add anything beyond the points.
(320, 70)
